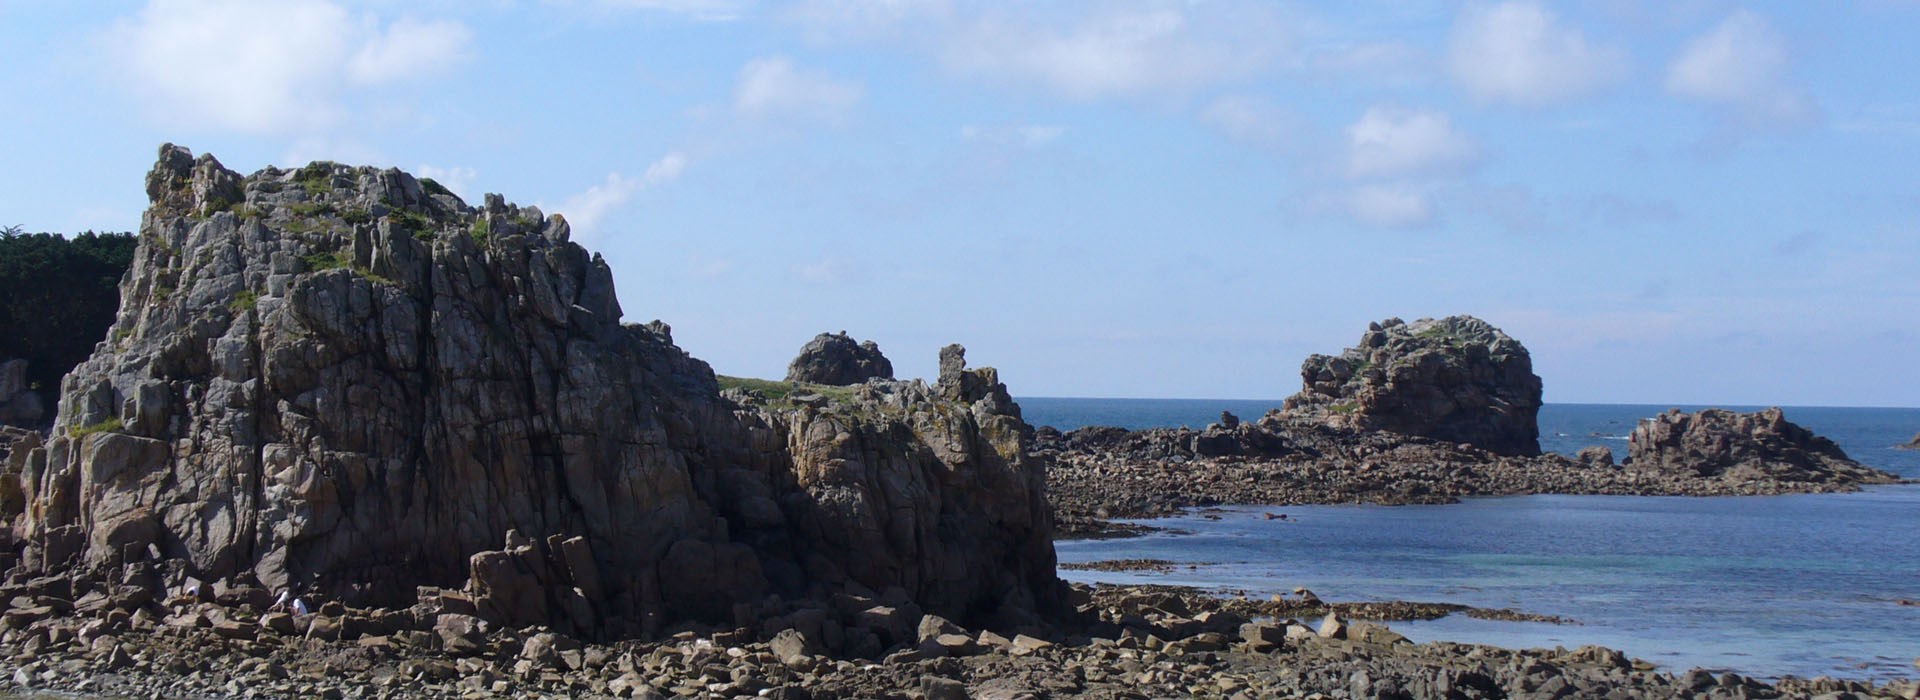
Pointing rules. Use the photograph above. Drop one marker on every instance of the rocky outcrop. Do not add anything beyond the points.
(20, 405)
(1913, 444)
(339, 381)
(1456, 379)
(837, 360)
(1762, 446)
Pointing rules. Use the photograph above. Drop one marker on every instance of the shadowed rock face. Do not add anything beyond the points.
(19, 405)
(836, 359)
(1739, 446)
(1457, 379)
(335, 379)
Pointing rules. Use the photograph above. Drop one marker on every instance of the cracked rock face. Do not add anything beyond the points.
(1457, 379)
(339, 380)
(838, 360)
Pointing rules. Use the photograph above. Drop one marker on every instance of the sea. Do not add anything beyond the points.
(1765, 586)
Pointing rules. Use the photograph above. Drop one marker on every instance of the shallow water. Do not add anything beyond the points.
(1766, 586)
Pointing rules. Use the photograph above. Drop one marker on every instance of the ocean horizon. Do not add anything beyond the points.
(1766, 586)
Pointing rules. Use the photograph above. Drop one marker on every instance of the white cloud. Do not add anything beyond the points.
(1160, 48)
(1741, 66)
(457, 179)
(409, 48)
(831, 270)
(267, 67)
(1029, 135)
(1385, 62)
(586, 210)
(770, 87)
(1252, 120)
(1392, 142)
(1518, 52)
(1390, 206)
(703, 10)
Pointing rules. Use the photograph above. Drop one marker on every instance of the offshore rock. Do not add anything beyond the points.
(1913, 444)
(1455, 379)
(349, 383)
(1762, 446)
(837, 360)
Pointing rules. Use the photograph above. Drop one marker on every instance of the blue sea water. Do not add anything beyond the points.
(1766, 586)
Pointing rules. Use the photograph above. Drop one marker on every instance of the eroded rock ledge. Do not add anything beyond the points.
(348, 383)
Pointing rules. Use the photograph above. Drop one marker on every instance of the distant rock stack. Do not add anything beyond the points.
(1457, 379)
(1761, 446)
(350, 383)
(1913, 444)
(836, 359)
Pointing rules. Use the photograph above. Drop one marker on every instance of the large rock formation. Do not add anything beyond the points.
(1913, 444)
(339, 381)
(1731, 446)
(836, 359)
(20, 405)
(1456, 379)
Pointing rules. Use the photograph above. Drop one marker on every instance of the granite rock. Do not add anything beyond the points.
(338, 381)
(836, 359)
(1455, 379)
(1760, 446)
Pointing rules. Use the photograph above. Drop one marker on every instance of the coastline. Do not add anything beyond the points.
(1132, 642)
(1642, 598)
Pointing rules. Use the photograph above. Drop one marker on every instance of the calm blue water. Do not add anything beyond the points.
(1766, 586)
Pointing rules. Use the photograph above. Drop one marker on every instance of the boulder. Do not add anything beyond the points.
(332, 380)
(838, 360)
(1741, 447)
(1455, 379)
(1595, 456)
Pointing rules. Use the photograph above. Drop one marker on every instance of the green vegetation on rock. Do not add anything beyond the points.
(782, 394)
(243, 301)
(110, 425)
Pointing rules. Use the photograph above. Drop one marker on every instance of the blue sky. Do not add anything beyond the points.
(1683, 202)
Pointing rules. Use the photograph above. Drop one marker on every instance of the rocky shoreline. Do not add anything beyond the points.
(351, 437)
(1127, 642)
(1421, 413)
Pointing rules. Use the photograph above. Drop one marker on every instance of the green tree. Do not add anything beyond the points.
(58, 296)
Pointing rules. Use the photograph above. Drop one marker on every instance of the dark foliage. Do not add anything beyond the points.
(58, 296)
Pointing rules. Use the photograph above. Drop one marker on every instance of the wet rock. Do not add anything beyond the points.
(838, 360)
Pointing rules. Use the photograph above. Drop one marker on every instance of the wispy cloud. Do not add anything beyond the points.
(773, 87)
(1740, 67)
(269, 67)
(1521, 53)
(587, 210)
(1389, 142)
